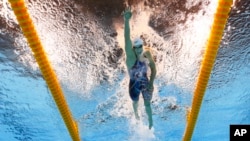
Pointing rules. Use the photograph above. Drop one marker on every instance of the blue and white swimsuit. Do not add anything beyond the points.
(139, 81)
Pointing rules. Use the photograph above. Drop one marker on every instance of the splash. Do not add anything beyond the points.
(140, 132)
(83, 52)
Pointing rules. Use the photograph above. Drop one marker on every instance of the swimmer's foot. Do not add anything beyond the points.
(137, 116)
(150, 126)
(150, 123)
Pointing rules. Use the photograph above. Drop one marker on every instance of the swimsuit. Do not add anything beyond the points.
(139, 81)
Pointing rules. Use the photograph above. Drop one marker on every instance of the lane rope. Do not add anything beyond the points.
(29, 31)
(212, 46)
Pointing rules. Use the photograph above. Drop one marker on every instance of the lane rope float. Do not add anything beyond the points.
(212, 46)
(29, 31)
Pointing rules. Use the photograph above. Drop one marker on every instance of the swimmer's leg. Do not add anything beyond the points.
(134, 92)
(147, 96)
(135, 107)
(149, 112)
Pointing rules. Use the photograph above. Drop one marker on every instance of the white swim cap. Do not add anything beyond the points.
(138, 42)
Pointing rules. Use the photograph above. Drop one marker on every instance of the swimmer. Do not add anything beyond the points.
(138, 60)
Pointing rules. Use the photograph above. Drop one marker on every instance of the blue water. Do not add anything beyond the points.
(94, 78)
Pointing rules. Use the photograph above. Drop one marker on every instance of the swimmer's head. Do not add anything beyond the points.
(138, 43)
(138, 46)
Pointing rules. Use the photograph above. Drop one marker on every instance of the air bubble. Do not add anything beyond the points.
(55, 3)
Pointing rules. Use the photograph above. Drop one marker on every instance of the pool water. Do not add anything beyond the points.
(84, 42)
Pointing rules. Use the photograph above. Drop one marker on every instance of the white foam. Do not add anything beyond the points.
(140, 131)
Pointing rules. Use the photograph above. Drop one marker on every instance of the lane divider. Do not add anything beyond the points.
(29, 31)
(212, 46)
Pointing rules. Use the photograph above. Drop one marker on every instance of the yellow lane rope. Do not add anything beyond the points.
(212, 46)
(49, 75)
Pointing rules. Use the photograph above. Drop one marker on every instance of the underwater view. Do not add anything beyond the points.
(85, 45)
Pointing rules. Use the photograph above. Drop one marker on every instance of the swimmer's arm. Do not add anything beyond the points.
(130, 55)
(152, 67)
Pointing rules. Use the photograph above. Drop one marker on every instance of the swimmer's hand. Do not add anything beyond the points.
(127, 14)
(150, 87)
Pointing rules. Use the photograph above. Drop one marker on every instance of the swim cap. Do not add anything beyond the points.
(138, 42)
